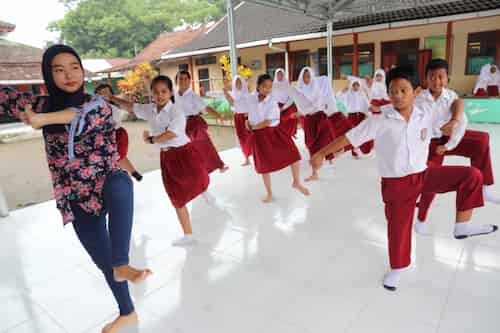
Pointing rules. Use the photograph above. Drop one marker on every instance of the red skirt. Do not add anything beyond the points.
(356, 119)
(184, 174)
(481, 92)
(318, 132)
(378, 103)
(242, 132)
(122, 142)
(340, 125)
(492, 91)
(272, 150)
(197, 131)
(287, 123)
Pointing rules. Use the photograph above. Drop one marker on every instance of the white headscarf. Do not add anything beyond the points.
(240, 96)
(319, 93)
(356, 101)
(494, 78)
(482, 79)
(378, 90)
(281, 88)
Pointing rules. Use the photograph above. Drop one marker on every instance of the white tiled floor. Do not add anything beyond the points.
(296, 266)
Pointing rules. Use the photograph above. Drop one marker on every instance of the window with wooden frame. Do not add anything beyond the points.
(274, 61)
(482, 48)
(299, 60)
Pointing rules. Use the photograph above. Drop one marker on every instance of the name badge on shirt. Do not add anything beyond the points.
(423, 134)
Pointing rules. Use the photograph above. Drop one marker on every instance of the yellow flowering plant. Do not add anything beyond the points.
(133, 84)
(244, 71)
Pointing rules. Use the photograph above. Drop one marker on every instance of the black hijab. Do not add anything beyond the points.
(58, 99)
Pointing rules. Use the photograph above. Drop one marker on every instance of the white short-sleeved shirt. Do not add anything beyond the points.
(259, 111)
(190, 103)
(402, 147)
(441, 107)
(169, 118)
(116, 113)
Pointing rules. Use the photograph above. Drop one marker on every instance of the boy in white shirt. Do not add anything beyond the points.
(448, 108)
(402, 135)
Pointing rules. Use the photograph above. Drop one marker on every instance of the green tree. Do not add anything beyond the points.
(119, 28)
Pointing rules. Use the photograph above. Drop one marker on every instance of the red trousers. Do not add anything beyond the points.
(400, 195)
(475, 145)
(356, 118)
(197, 131)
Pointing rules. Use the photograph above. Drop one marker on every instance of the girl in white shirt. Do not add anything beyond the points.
(403, 133)
(288, 116)
(106, 91)
(183, 172)
(358, 107)
(272, 149)
(196, 127)
(378, 90)
(237, 98)
(317, 128)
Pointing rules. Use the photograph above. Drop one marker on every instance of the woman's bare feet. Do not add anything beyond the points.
(127, 273)
(312, 177)
(120, 322)
(247, 162)
(301, 189)
(224, 169)
(268, 198)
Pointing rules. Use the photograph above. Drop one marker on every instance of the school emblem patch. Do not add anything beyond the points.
(423, 134)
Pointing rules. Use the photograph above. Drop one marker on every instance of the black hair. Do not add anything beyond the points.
(263, 78)
(406, 72)
(182, 73)
(436, 64)
(166, 81)
(102, 86)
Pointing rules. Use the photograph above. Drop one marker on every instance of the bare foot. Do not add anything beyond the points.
(301, 189)
(127, 273)
(312, 177)
(247, 162)
(224, 169)
(120, 322)
(268, 198)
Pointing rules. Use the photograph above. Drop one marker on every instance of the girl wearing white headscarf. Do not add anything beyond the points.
(238, 98)
(493, 81)
(358, 107)
(317, 106)
(481, 86)
(289, 112)
(378, 90)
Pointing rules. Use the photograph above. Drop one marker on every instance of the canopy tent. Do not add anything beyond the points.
(328, 11)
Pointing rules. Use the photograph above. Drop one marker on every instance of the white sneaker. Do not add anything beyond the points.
(186, 240)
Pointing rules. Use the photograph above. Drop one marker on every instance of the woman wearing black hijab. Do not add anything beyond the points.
(83, 161)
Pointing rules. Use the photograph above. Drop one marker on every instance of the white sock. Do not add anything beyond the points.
(391, 278)
(420, 227)
(467, 229)
(491, 197)
(186, 240)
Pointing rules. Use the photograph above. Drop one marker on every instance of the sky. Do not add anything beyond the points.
(31, 18)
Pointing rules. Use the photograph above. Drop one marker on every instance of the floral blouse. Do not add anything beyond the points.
(78, 175)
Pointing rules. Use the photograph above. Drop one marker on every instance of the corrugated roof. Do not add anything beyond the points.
(256, 22)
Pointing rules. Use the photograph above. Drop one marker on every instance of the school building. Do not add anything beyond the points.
(466, 33)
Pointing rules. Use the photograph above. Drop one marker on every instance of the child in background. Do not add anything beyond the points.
(106, 91)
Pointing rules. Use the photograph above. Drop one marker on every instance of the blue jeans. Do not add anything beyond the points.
(109, 246)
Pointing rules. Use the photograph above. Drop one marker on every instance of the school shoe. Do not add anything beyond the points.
(185, 241)
(392, 278)
(467, 229)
